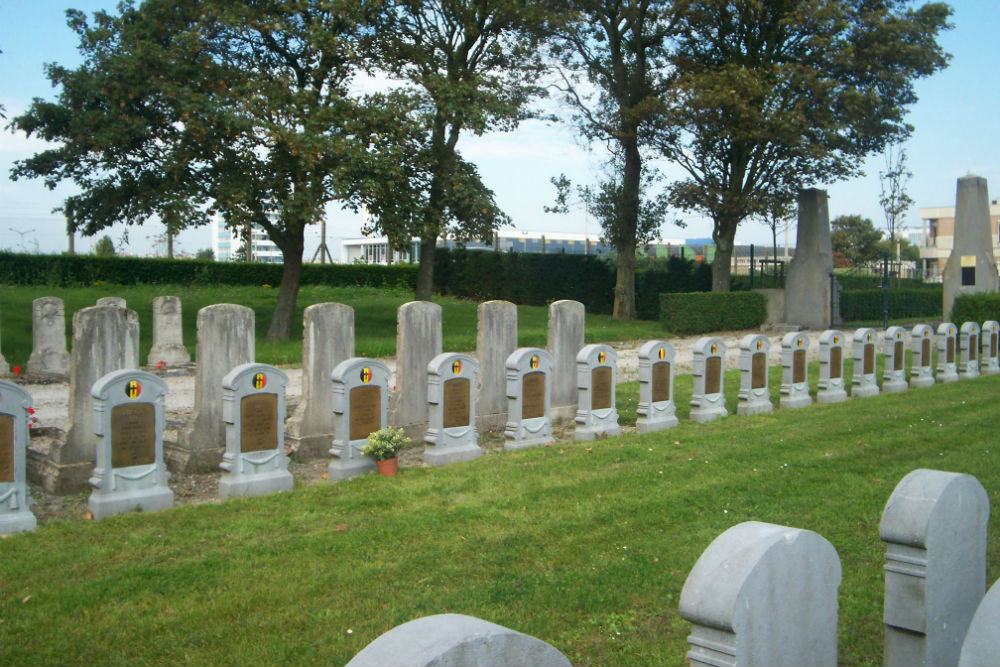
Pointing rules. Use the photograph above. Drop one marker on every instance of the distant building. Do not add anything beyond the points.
(937, 237)
(226, 243)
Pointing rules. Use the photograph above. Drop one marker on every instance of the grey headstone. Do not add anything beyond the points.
(15, 497)
(764, 595)
(360, 402)
(982, 642)
(454, 640)
(168, 333)
(496, 339)
(4, 366)
(115, 301)
(566, 322)
(968, 350)
(755, 394)
(795, 371)
(418, 340)
(832, 387)
(657, 410)
(894, 355)
(989, 358)
(253, 408)
(922, 356)
(49, 358)
(863, 379)
(935, 527)
(327, 340)
(529, 414)
(807, 289)
(971, 265)
(451, 397)
(947, 352)
(596, 413)
(708, 369)
(130, 474)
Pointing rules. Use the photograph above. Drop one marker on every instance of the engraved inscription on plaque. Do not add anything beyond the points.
(994, 344)
(456, 406)
(6, 448)
(950, 347)
(533, 395)
(713, 375)
(973, 341)
(758, 371)
(661, 381)
(836, 362)
(258, 422)
(869, 360)
(798, 366)
(366, 411)
(600, 388)
(925, 352)
(133, 435)
(897, 356)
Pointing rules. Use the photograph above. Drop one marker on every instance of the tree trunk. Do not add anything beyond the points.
(627, 226)
(170, 244)
(625, 285)
(288, 291)
(425, 270)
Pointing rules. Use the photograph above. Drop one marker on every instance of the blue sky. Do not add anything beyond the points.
(957, 132)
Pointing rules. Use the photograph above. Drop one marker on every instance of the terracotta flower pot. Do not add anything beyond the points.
(388, 467)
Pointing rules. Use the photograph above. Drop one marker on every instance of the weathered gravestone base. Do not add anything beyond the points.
(15, 497)
(168, 334)
(565, 340)
(794, 371)
(496, 339)
(113, 301)
(981, 647)
(451, 396)
(360, 404)
(418, 340)
(49, 359)
(921, 356)
(657, 410)
(596, 414)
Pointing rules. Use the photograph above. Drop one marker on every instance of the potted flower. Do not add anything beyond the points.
(383, 446)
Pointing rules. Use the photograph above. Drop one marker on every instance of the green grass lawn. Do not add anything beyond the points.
(585, 545)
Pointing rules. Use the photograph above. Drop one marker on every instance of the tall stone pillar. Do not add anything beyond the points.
(807, 289)
(971, 266)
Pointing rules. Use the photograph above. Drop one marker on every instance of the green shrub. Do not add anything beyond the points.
(867, 304)
(675, 275)
(701, 312)
(975, 308)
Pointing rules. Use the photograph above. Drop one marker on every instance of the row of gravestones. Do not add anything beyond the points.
(763, 594)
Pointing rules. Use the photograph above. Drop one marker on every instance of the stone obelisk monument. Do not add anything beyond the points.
(807, 289)
(971, 266)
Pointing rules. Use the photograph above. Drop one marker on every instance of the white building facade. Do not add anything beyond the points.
(226, 243)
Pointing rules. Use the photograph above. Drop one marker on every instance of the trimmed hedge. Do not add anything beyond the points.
(861, 281)
(975, 308)
(701, 312)
(866, 304)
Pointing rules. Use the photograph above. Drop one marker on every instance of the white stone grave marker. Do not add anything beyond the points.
(529, 398)
(451, 396)
(794, 371)
(596, 413)
(657, 410)
(360, 403)
(831, 388)
(708, 369)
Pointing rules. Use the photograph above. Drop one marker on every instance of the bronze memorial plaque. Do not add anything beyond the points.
(456, 406)
(758, 371)
(973, 341)
(897, 356)
(713, 375)
(133, 435)
(6, 448)
(366, 411)
(994, 343)
(661, 381)
(258, 422)
(869, 360)
(533, 395)
(836, 362)
(925, 352)
(600, 388)
(798, 366)
(950, 356)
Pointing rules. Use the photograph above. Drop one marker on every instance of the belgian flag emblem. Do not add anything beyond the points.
(836, 340)
(798, 342)
(869, 337)
(601, 357)
(259, 381)
(760, 344)
(534, 362)
(456, 367)
(133, 389)
(366, 375)
(715, 348)
(662, 353)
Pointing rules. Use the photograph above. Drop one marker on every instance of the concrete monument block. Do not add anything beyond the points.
(982, 643)
(922, 356)
(864, 382)
(168, 333)
(496, 339)
(529, 398)
(566, 321)
(794, 371)
(596, 412)
(947, 352)
(327, 340)
(130, 474)
(114, 301)
(971, 265)
(894, 355)
(708, 368)
(968, 350)
(657, 410)
(755, 395)
(15, 497)
(360, 403)
(226, 339)
(989, 363)
(418, 340)
(763, 594)
(451, 397)
(49, 358)
(454, 640)
(831, 387)
(807, 289)
(934, 526)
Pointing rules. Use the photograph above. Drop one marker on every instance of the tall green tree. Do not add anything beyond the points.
(774, 96)
(856, 237)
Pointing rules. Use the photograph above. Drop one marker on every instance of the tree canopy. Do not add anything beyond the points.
(856, 237)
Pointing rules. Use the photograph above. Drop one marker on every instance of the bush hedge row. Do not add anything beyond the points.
(975, 308)
(867, 304)
(701, 312)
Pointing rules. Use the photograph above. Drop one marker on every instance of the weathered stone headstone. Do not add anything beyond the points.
(327, 340)
(49, 358)
(4, 367)
(989, 363)
(807, 290)
(794, 371)
(968, 350)
(894, 355)
(755, 395)
(935, 527)
(128, 420)
(15, 497)
(657, 410)
(114, 301)
(529, 398)
(864, 382)
(565, 340)
(360, 402)
(496, 339)
(596, 413)
(455, 640)
(982, 643)
(418, 340)
(226, 340)
(168, 333)
(971, 265)
(708, 368)
(947, 352)
(831, 387)
(922, 356)
(763, 594)
(451, 396)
